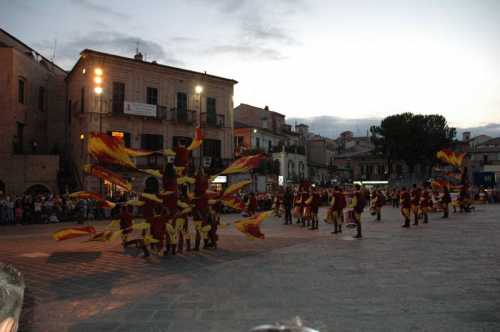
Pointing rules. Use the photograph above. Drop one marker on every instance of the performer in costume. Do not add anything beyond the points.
(315, 209)
(304, 204)
(125, 224)
(297, 206)
(157, 229)
(378, 202)
(425, 203)
(214, 221)
(358, 204)
(185, 234)
(170, 197)
(445, 202)
(415, 203)
(251, 204)
(405, 202)
(200, 215)
(338, 204)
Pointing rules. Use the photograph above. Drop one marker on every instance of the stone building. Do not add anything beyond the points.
(150, 106)
(265, 130)
(32, 102)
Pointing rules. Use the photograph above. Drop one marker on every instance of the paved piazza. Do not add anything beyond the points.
(444, 276)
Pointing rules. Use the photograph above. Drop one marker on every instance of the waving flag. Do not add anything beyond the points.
(152, 197)
(233, 203)
(251, 226)
(70, 233)
(235, 187)
(453, 158)
(244, 164)
(197, 141)
(105, 174)
(109, 149)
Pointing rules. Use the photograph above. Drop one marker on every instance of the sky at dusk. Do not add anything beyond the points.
(303, 58)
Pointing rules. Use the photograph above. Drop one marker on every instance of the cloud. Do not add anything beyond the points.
(110, 42)
(262, 32)
(247, 52)
(98, 8)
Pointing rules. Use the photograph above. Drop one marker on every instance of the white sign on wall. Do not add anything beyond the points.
(139, 109)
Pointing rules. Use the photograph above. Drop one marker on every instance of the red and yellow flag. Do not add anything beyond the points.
(70, 233)
(233, 202)
(197, 141)
(109, 149)
(455, 159)
(251, 226)
(244, 164)
(235, 187)
(105, 174)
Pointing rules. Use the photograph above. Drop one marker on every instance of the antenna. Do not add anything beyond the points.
(53, 58)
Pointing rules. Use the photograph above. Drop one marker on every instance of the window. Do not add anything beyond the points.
(264, 123)
(82, 100)
(20, 91)
(269, 146)
(41, 99)
(211, 111)
(181, 106)
(485, 158)
(211, 148)
(118, 97)
(152, 142)
(152, 96)
(257, 142)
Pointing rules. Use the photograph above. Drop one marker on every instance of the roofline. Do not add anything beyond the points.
(87, 50)
(260, 108)
(32, 49)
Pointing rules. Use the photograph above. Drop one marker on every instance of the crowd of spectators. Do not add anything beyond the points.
(45, 208)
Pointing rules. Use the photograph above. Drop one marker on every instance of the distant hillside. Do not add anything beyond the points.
(332, 126)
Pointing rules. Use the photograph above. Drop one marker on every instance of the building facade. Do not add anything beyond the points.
(150, 106)
(263, 130)
(32, 101)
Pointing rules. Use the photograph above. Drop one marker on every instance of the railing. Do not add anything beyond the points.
(153, 162)
(181, 116)
(297, 149)
(212, 120)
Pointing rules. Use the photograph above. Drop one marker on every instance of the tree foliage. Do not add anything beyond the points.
(414, 139)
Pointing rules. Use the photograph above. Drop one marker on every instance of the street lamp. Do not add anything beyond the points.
(198, 90)
(98, 90)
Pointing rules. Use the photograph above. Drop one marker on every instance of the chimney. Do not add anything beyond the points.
(466, 136)
(138, 56)
(266, 108)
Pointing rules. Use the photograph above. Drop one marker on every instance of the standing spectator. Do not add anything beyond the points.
(37, 209)
(288, 203)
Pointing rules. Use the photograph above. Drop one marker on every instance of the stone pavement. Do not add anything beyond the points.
(444, 276)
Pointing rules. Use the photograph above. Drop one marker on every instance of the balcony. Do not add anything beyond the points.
(289, 149)
(187, 117)
(212, 120)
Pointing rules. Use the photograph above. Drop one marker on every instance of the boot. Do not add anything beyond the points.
(379, 216)
(188, 245)
(197, 242)
(407, 223)
(335, 227)
(358, 233)
(426, 219)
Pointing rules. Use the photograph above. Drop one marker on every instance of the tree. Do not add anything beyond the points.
(414, 139)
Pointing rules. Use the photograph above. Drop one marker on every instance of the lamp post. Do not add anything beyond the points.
(98, 81)
(98, 91)
(198, 90)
